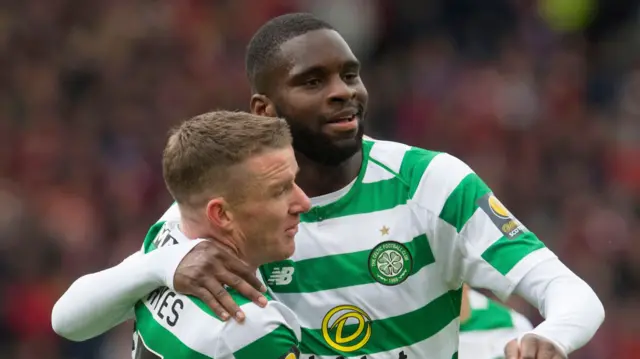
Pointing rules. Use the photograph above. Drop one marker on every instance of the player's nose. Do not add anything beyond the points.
(340, 91)
(300, 203)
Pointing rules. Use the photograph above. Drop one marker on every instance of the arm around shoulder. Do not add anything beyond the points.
(97, 302)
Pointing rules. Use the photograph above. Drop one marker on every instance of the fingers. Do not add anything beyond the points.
(246, 275)
(245, 289)
(205, 271)
(238, 276)
(532, 347)
(511, 351)
(224, 299)
(212, 303)
(546, 350)
(529, 347)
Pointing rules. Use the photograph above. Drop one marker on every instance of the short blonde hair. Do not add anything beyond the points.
(201, 151)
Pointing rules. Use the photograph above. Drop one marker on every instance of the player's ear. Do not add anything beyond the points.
(262, 105)
(218, 213)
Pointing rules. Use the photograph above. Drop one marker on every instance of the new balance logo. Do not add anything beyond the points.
(281, 276)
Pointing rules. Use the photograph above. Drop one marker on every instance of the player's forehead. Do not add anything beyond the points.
(272, 166)
(324, 49)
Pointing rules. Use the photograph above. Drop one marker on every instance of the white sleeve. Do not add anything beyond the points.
(99, 301)
(572, 311)
(475, 238)
(483, 244)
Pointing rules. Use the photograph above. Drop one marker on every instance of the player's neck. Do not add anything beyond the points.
(316, 179)
(194, 230)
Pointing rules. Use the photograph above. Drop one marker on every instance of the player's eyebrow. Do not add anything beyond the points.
(285, 181)
(318, 70)
(351, 65)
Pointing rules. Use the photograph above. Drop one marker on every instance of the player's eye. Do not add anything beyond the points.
(350, 76)
(281, 191)
(314, 82)
(288, 188)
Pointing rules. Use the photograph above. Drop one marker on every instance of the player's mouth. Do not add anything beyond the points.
(292, 231)
(344, 121)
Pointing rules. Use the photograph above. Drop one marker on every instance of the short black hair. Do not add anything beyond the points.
(264, 46)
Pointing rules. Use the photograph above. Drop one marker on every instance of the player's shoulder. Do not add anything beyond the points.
(161, 227)
(269, 332)
(165, 311)
(162, 234)
(388, 152)
(411, 162)
(273, 329)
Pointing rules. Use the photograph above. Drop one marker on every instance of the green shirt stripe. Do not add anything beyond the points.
(162, 341)
(367, 198)
(462, 202)
(414, 163)
(148, 245)
(494, 316)
(448, 188)
(356, 264)
(505, 253)
(379, 195)
(272, 345)
(352, 202)
(391, 333)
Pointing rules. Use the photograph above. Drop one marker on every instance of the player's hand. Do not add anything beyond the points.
(209, 266)
(532, 347)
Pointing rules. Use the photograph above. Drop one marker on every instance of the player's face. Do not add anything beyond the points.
(320, 93)
(268, 216)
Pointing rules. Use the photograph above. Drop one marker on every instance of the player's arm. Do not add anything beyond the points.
(272, 332)
(485, 246)
(97, 302)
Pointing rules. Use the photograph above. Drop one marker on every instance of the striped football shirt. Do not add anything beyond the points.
(378, 270)
(171, 325)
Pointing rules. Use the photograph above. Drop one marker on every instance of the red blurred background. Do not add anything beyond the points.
(542, 98)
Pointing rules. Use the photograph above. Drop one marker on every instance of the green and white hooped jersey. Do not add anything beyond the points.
(489, 328)
(175, 326)
(377, 273)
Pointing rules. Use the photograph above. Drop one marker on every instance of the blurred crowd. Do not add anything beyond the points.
(542, 102)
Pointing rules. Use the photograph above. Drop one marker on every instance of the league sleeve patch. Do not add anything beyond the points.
(293, 353)
(500, 216)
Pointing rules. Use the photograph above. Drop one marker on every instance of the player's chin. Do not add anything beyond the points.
(348, 141)
(287, 247)
(343, 138)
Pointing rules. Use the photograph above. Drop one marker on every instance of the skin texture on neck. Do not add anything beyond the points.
(193, 229)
